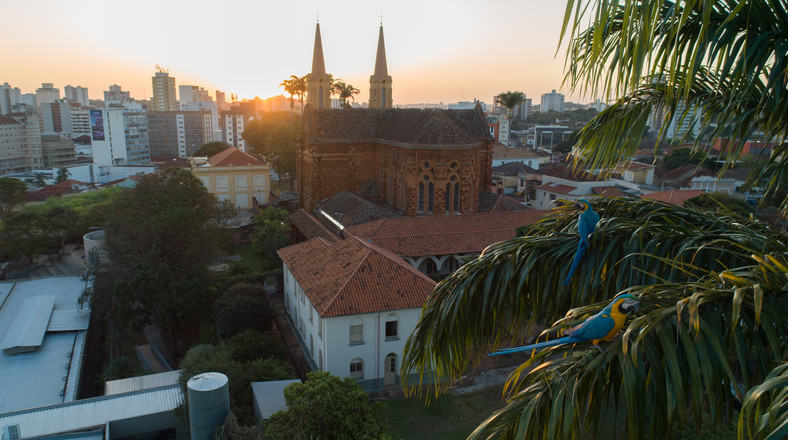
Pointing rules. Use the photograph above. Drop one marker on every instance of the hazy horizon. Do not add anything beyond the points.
(448, 52)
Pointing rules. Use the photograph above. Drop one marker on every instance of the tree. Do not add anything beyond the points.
(344, 91)
(243, 307)
(710, 320)
(270, 235)
(160, 237)
(211, 148)
(289, 86)
(712, 287)
(299, 88)
(62, 175)
(328, 407)
(510, 100)
(274, 139)
(13, 193)
(717, 202)
(679, 157)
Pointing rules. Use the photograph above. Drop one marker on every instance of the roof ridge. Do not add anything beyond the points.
(349, 277)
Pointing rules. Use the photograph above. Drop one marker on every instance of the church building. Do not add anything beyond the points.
(421, 161)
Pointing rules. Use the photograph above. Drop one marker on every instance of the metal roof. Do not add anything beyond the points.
(95, 412)
(269, 397)
(69, 320)
(140, 383)
(48, 375)
(30, 323)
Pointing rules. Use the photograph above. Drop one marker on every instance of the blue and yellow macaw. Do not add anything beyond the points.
(601, 327)
(586, 224)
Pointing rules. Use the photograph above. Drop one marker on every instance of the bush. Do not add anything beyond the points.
(251, 344)
(236, 313)
(121, 368)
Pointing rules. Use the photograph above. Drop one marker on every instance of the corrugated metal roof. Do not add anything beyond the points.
(50, 374)
(140, 383)
(88, 413)
(69, 320)
(30, 323)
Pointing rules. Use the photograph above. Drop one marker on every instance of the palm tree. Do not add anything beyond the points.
(344, 91)
(289, 86)
(711, 332)
(510, 100)
(299, 88)
(62, 175)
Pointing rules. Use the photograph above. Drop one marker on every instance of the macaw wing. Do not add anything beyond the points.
(587, 223)
(595, 327)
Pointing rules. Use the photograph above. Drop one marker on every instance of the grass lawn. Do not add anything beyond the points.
(250, 257)
(449, 417)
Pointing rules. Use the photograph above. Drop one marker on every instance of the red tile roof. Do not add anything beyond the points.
(501, 151)
(351, 277)
(235, 157)
(637, 166)
(674, 197)
(558, 189)
(608, 191)
(444, 234)
(311, 227)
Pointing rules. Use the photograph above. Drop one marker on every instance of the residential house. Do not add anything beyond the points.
(353, 305)
(561, 182)
(235, 176)
(637, 172)
(527, 156)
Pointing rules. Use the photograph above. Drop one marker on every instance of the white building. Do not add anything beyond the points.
(528, 156)
(47, 93)
(116, 95)
(353, 306)
(233, 125)
(80, 123)
(523, 109)
(552, 101)
(566, 185)
(120, 135)
(10, 98)
(20, 143)
(77, 95)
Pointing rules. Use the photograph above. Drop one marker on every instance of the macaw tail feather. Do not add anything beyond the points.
(538, 346)
(581, 249)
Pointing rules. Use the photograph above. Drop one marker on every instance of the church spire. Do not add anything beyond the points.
(318, 65)
(380, 81)
(318, 82)
(381, 69)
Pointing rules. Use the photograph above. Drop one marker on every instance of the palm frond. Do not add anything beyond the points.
(493, 299)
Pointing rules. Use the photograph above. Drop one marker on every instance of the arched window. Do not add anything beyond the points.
(421, 197)
(392, 327)
(357, 369)
(430, 197)
(383, 97)
(456, 197)
(448, 196)
(311, 346)
(320, 97)
(356, 332)
(320, 359)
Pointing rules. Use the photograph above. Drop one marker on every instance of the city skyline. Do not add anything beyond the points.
(448, 52)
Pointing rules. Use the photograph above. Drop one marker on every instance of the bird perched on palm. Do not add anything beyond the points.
(586, 224)
(601, 327)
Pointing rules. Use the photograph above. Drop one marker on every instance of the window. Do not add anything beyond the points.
(310, 315)
(240, 182)
(552, 196)
(448, 196)
(430, 196)
(357, 369)
(391, 328)
(356, 332)
(222, 183)
(311, 346)
(456, 197)
(319, 327)
(421, 197)
(259, 181)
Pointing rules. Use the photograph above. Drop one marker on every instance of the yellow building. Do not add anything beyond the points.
(235, 176)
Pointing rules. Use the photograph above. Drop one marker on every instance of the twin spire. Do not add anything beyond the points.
(319, 82)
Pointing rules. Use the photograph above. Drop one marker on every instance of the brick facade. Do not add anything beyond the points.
(405, 151)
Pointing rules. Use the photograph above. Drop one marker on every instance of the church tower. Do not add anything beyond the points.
(380, 81)
(318, 82)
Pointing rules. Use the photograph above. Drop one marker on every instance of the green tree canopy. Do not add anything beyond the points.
(275, 139)
(510, 100)
(344, 91)
(720, 202)
(270, 235)
(211, 148)
(327, 407)
(13, 193)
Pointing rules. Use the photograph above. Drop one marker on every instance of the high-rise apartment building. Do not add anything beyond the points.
(56, 117)
(58, 151)
(552, 102)
(522, 110)
(178, 134)
(78, 95)
(120, 135)
(221, 101)
(164, 99)
(233, 123)
(116, 95)
(47, 93)
(80, 123)
(20, 143)
(10, 99)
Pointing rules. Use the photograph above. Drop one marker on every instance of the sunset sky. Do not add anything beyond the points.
(437, 50)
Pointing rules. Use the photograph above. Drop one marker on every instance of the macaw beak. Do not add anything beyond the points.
(629, 306)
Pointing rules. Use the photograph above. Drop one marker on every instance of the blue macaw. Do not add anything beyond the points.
(601, 327)
(586, 224)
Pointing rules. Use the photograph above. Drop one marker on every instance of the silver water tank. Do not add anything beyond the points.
(209, 404)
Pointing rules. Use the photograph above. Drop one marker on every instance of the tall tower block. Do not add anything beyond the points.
(380, 81)
(318, 82)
